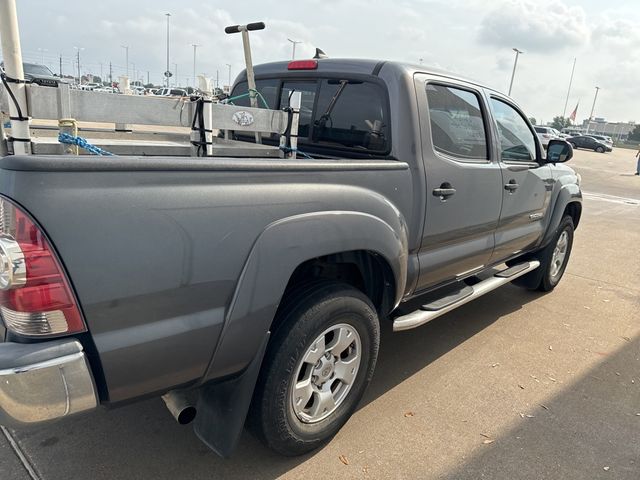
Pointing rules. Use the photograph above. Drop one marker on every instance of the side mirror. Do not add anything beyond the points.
(559, 151)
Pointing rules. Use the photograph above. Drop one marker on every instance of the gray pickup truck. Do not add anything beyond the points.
(253, 291)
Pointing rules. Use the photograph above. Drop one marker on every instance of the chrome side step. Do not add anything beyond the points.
(422, 316)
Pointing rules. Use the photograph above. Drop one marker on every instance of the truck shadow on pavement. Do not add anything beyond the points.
(589, 430)
(143, 441)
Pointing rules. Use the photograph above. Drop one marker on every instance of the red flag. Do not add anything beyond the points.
(572, 117)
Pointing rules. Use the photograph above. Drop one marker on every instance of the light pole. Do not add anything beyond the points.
(564, 112)
(195, 46)
(78, 60)
(229, 65)
(42, 50)
(175, 68)
(595, 97)
(515, 64)
(167, 71)
(293, 43)
(126, 58)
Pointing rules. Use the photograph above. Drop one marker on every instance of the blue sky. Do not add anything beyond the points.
(470, 37)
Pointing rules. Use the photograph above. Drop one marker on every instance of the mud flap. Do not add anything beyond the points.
(223, 407)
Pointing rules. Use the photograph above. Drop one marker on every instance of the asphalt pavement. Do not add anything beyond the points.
(514, 385)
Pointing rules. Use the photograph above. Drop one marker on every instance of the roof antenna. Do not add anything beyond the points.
(320, 54)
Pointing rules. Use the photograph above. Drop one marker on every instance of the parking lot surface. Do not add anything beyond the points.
(514, 385)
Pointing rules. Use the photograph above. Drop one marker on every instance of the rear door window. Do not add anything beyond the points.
(457, 124)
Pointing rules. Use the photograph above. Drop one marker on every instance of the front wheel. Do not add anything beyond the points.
(555, 257)
(319, 362)
(600, 149)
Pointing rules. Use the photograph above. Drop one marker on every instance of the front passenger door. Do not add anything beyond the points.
(527, 183)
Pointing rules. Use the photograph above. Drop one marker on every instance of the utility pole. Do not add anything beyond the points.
(148, 82)
(592, 109)
(293, 43)
(60, 71)
(168, 71)
(78, 60)
(101, 79)
(515, 64)
(195, 46)
(126, 59)
(175, 67)
(564, 112)
(217, 78)
(229, 65)
(111, 74)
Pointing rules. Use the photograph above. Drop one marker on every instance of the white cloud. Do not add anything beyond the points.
(535, 25)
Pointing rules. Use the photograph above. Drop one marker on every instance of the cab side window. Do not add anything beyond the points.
(517, 142)
(457, 124)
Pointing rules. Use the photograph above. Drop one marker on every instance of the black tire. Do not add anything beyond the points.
(600, 149)
(573, 145)
(307, 314)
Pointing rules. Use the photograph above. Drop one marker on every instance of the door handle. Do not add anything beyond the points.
(444, 191)
(512, 186)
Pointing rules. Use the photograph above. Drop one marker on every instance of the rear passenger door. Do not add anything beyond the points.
(463, 181)
(527, 182)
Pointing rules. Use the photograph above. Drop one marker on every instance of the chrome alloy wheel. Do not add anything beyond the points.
(559, 254)
(326, 373)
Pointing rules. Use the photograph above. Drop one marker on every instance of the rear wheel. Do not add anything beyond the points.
(600, 149)
(317, 367)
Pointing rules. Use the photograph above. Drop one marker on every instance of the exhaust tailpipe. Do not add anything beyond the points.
(182, 409)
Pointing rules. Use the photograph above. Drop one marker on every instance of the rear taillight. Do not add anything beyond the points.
(302, 65)
(35, 296)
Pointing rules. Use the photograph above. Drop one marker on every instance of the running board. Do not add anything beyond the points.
(424, 315)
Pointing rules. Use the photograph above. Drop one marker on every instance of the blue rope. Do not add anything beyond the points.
(82, 143)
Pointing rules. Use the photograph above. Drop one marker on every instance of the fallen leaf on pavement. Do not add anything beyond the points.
(544, 406)
(487, 441)
(606, 469)
(550, 347)
(408, 414)
(521, 386)
(485, 435)
(343, 459)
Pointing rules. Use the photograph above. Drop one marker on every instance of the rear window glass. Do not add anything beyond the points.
(457, 126)
(268, 90)
(343, 114)
(351, 114)
(308, 91)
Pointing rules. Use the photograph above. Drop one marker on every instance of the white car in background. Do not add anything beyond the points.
(545, 134)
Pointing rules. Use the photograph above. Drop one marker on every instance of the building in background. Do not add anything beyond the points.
(616, 130)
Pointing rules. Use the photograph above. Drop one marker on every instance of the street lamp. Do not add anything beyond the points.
(515, 64)
(229, 65)
(167, 71)
(126, 58)
(195, 46)
(595, 97)
(78, 60)
(293, 43)
(42, 50)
